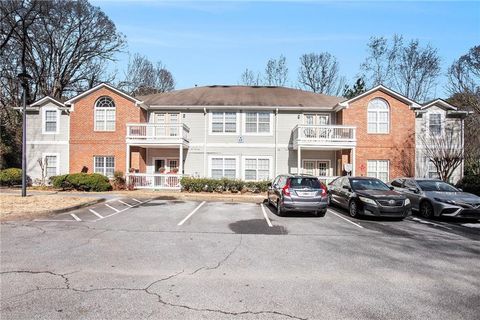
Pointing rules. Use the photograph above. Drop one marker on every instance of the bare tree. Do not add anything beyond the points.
(444, 150)
(248, 78)
(409, 68)
(276, 72)
(43, 163)
(319, 73)
(143, 77)
(464, 86)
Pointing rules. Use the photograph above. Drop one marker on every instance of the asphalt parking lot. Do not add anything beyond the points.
(169, 259)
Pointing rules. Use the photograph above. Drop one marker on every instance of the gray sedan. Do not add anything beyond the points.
(434, 198)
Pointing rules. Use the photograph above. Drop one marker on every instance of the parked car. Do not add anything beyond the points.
(298, 193)
(434, 198)
(368, 196)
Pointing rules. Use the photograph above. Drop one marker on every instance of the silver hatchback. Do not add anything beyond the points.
(298, 193)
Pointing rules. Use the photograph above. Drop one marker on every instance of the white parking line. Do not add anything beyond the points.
(96, 213)
(136, 200)
(115, 209)
(75, 217)
(191, 213)
(430, 223)
(122, 202)
(356, 224)
(119, 211)
(266, 216)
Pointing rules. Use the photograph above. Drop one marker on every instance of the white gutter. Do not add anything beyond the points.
(276, 141)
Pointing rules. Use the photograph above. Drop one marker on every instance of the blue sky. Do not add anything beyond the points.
(208, 43)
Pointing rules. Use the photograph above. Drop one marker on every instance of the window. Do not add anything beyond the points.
(378, 169)
(256, 168)
(223, 167)
(257, 122)
(51, 165)
(432, 170)
(50, 121)
(378, 116)
(104, 165)
(105, 114)
(435, 124)
(223, 122)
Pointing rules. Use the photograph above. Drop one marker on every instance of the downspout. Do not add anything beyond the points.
(205, 142)
(276, 138)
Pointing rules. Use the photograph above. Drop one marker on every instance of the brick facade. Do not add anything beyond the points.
(85, 142)
(398, 146)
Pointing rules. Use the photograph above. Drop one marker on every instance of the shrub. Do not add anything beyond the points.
(119, 182)
(11, 177)
(82, 182)
(222, 185)
(470, 183)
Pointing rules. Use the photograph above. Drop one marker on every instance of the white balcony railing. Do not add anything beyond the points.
(154, 181)
(158, 132)
(314, 135)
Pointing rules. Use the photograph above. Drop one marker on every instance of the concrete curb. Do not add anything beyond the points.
(208, 197)
(78, 206)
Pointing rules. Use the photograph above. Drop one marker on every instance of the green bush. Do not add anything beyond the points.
(222, 185)
(11, 177)
(470, 183)
(82, 182)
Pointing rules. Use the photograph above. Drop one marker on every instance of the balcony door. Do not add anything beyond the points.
(167, 123)
(316, 119)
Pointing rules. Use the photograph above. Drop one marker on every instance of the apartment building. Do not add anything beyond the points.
(243, 132)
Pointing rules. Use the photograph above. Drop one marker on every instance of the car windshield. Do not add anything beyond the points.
(312, 183)
(368, 184)
(435, 185)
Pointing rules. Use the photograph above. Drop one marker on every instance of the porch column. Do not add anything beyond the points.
(353, 161)
(299, 159)
(127, 163)
(180, 165)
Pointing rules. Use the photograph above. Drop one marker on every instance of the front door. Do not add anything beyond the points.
(319, 168)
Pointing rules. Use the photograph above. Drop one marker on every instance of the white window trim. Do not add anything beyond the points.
(57, 171)
(317, 114)
(44, 118)
(377, 111)
(442, 122)
(388, 167)
(210, 127)
(270, 166)
(237, 164)
(151, 115)
(329, 168)
(95, 109)
(104, 171)
(244, 123)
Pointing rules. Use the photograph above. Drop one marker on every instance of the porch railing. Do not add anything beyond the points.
(328, 135)
(154, 181)
(327, 179)
(158, 131)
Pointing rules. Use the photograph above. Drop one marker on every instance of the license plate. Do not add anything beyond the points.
(306, 194)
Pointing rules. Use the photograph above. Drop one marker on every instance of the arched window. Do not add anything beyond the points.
(378, 119)
(104, 114)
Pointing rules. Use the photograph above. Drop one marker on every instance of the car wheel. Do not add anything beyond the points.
(280, 210)
(321, 213)
(426, 209)
(353, 209)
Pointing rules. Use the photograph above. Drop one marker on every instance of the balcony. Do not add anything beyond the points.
(318, 137)
(158, 134)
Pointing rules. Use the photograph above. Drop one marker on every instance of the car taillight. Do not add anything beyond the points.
(324, 190)
(285, 189)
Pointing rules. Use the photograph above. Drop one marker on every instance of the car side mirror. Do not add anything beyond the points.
(391, 187)
(346, 188)
(414, 190)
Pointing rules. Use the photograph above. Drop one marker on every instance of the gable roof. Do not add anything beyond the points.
(46, 99)
(104, 85)
(411, 103)
(225, 95)
(439, 103)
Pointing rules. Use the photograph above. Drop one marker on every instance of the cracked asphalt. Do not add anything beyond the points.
(225, 262)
